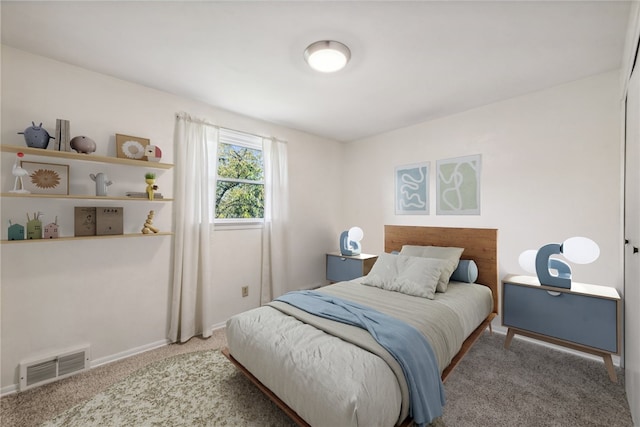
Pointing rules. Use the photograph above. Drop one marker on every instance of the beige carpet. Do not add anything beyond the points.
(528, 385)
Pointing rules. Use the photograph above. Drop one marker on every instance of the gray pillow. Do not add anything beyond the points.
(409, 275)
(450, 254)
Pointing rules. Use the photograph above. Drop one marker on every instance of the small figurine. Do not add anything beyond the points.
(148, 224)
(36, 136)
(153, 153)
(19, 172)
(102, 182)
(51, 230)
(34, 227)
(16, 231)
(83, 144)
(150, 179)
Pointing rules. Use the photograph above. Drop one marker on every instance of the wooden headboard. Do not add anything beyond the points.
(480, 245)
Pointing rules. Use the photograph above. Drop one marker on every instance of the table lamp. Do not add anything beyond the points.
(553, 271)
(350, 241)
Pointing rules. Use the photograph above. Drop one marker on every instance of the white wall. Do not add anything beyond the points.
(114, 294)
(550, 170)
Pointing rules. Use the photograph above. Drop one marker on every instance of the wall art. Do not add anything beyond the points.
(131, 147)
(46, 178)
(458, 185)
(412, 189)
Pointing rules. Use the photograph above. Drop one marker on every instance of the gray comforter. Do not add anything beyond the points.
(335, 374)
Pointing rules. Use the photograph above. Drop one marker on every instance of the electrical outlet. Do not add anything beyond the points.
(245, 291)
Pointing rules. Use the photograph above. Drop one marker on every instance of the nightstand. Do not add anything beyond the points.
(341, 268)
(585, 317)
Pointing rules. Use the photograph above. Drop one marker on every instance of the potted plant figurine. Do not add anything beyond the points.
(150, 179)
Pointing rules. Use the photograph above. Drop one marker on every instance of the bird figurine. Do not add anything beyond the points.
(19, 172)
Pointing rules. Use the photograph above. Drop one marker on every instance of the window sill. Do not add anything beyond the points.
(237, 225)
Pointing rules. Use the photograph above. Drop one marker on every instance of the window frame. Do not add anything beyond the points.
(239, 139)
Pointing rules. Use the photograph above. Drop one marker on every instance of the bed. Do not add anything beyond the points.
(323, 373)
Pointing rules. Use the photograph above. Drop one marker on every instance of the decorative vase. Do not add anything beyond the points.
(150, 187)
(83, 144)
(36, 136)
(102, 182)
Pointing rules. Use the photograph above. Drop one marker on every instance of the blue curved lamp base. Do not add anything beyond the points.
(349, 247)
(544, 263)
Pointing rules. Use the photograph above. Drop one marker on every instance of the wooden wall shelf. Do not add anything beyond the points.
(83, 197)
(83, 157)
(115, 236)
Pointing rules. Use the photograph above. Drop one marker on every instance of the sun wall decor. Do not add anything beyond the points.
(46, 178)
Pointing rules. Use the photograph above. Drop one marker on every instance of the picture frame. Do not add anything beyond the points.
(458, 185)
(46, 178)
(131, 147)
(412, 189)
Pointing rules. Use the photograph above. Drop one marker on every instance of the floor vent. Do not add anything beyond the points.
(36, 372)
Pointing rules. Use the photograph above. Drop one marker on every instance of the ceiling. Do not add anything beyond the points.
(411, 61)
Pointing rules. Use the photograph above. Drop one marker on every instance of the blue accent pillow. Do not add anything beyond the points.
(467, 271)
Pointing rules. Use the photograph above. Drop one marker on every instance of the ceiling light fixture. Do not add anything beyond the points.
(327, 56)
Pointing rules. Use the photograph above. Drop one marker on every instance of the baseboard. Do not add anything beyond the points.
(503, 331)
(10, 389)
(218, 326)
(128, 353)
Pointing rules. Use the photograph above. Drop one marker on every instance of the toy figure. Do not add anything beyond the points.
(19, 172)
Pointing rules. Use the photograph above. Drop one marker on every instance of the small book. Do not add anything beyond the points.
(143, 195)
(84, 221)
(109, 220)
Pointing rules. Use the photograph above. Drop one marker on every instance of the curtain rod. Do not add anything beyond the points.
(208, 123)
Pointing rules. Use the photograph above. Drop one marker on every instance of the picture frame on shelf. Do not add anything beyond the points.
(46, 178)
(131, 147)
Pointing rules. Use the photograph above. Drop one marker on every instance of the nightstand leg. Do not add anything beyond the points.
(507, 341)
(608, 363)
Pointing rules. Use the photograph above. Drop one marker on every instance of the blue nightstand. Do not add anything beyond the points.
(341, 268)
(585, 317)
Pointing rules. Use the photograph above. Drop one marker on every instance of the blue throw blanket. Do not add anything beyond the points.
(405, 343)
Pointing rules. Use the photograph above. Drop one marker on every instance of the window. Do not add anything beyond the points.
(240, 178)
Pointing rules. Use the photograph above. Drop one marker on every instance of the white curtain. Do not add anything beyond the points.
(276, 211)
(196, 145)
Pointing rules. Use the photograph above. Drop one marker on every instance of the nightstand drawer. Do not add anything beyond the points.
(340, 269)
(581, 319)
(343, 268)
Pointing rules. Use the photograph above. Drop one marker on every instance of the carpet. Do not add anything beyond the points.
(527, 385)
(195, 389)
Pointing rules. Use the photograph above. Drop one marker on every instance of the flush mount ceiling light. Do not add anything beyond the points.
(327, 56)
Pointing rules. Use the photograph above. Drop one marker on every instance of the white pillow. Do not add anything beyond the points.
(409, 275)
(383, 271)
(450, 254)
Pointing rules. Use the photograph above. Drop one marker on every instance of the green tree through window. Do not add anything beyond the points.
(240, 186)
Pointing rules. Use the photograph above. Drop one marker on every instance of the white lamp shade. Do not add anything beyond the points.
(327, 56)
(527, 260)
(355, 234)
(580, 250)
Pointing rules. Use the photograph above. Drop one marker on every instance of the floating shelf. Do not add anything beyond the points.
(114, 236)
(71, 196)
(83, 157)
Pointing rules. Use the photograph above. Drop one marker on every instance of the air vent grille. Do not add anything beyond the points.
(46, 369)
(41, 372)
(71, 363)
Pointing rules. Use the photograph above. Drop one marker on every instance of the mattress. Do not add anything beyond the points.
(334, 374)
